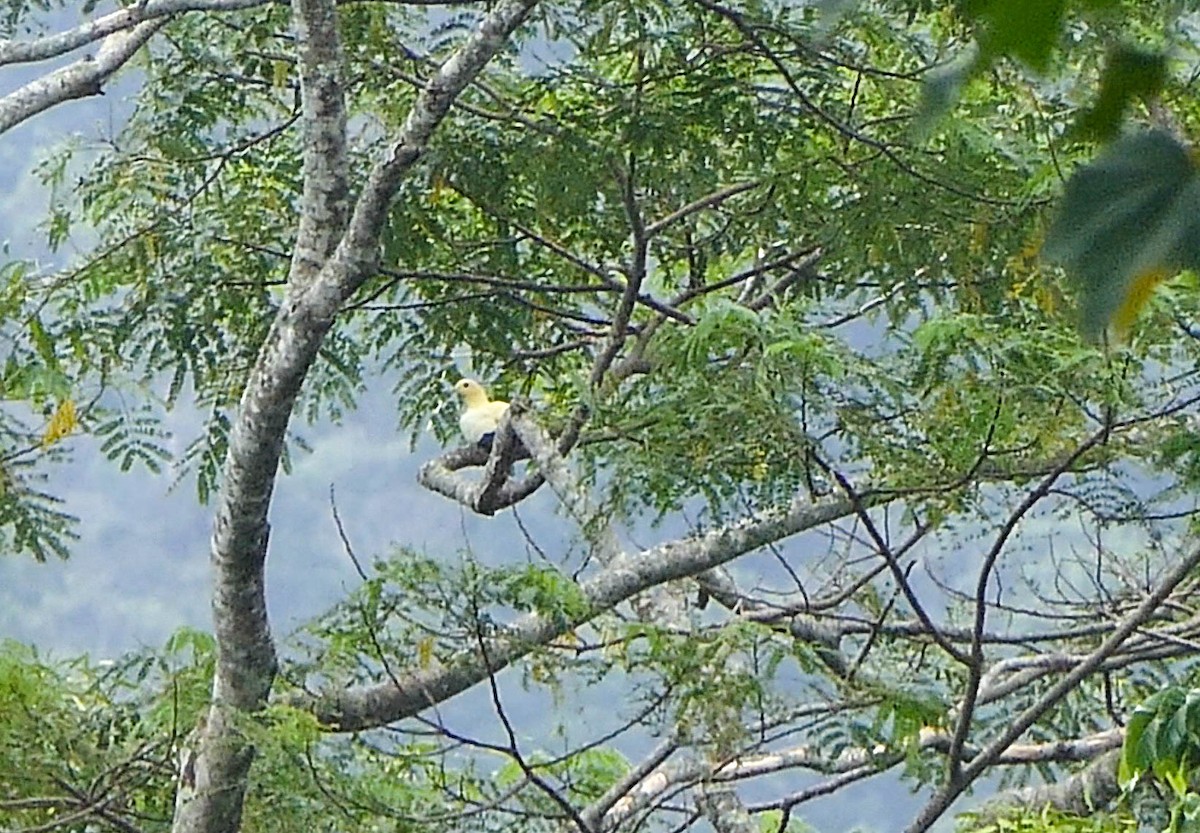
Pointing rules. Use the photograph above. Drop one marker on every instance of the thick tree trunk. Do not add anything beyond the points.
(328, 267)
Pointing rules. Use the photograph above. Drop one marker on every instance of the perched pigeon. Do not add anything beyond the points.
(480, 416)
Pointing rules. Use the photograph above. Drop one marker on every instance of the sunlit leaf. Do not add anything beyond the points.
(62, 423)
(425, 652)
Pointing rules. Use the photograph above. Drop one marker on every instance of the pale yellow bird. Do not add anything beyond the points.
(480, 416)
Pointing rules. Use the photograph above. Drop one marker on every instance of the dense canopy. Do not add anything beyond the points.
(860, 485)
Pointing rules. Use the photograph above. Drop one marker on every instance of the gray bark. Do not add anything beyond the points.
(80, 79)
(622, 579)
(13, 51)
(651, 784)
(721, 805)
(1081, 794)
(324, 203)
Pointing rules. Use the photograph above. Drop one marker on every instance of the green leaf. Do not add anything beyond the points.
(1128, 220)
(1130, 73)
(1023, 29)
(1136, 757)
(1191, 707)
(42, 342)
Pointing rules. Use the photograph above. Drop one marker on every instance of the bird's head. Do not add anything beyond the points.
(472, 392)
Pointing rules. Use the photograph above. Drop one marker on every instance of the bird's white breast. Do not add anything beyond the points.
(476, 422)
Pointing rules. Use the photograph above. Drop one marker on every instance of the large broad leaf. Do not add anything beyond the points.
(1025, 29)
(1130, 73)
(1128, 220)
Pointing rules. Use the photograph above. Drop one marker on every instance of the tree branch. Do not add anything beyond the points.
(1081, 794)
(975, 666)
(946, 796)
(358, 253)
(83, 78)
(14, 51)
(627, 575)
(707, 201)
